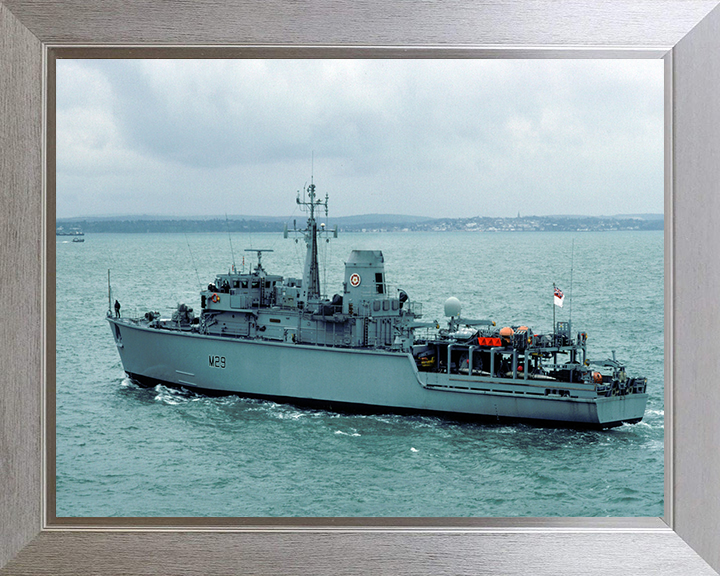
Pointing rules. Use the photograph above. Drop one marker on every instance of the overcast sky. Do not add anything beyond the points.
(443, 138)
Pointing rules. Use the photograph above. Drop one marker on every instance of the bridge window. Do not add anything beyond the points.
(379, 282)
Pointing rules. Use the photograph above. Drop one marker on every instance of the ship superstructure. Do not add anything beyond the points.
(366, 348)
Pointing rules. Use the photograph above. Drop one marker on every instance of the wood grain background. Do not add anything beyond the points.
(370, 23)
(28, 26)
(21, 328)
(696, 303)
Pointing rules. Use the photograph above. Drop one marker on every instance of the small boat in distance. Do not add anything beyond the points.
(74, 231)
(78, 239)
(261, 335)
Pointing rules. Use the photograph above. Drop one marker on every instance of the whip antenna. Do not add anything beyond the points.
(572, 254)
(232, 252)
(192, 259)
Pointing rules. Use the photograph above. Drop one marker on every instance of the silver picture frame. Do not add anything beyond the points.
(686, 33)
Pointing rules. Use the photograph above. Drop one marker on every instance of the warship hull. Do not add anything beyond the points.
(352, 379)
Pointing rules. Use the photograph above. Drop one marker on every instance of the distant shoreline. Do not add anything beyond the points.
(374, 223)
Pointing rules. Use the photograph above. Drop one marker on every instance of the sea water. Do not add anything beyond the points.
(123, 450)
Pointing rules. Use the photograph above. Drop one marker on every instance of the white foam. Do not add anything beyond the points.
(287, 415)
(353, 434)
(127, 383)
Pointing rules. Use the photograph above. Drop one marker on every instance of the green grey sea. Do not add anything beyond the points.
(123, 450)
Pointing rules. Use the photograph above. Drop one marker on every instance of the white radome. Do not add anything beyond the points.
(452, 306)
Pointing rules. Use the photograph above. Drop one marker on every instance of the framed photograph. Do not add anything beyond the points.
(419, 163)
(676, 542)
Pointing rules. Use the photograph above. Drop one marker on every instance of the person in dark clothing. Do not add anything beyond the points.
(117, 309)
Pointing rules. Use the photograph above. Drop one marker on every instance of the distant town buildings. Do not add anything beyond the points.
(520, 224)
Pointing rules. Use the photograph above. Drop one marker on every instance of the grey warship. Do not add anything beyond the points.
(366, 349)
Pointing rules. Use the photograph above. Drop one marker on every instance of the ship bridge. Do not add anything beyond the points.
(365, 290)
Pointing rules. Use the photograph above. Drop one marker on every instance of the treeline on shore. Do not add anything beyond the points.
(176, 226)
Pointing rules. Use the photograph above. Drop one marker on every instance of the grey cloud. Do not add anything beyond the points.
(492, 136)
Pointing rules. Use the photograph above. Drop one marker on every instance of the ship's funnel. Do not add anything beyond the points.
(452, 306)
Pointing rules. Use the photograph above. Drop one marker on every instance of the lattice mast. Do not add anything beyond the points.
(311, 273)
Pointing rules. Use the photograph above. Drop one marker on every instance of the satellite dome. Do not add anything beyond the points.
(452, 306)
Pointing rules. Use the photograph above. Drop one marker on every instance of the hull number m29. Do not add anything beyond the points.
(217, 361)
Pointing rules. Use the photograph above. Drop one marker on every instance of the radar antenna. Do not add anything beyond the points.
(259, 267)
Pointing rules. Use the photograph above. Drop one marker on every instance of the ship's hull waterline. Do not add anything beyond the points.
(354, 380)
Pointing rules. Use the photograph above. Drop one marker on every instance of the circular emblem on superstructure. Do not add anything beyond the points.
(355, 280)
